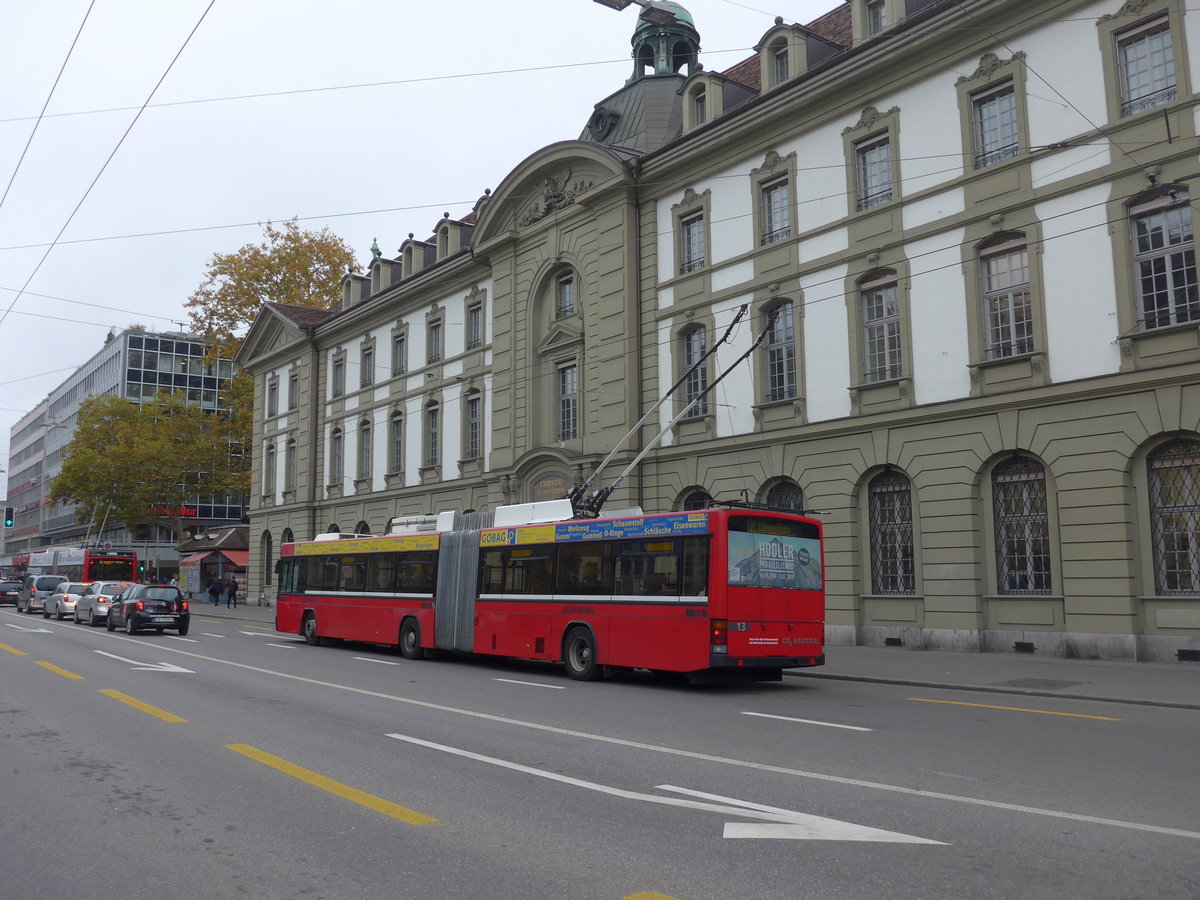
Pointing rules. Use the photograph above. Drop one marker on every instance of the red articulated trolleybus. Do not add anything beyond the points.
(736, 588)
(86, 564)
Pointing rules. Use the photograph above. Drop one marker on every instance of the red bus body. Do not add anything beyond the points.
(718, 589)
(87, 564)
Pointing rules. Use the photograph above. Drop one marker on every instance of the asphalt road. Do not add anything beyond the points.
(242, 763)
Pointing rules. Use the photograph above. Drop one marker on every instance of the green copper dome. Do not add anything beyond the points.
(665, 49)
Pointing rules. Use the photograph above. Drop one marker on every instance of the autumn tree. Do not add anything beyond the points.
(290, 265)
(146, 463)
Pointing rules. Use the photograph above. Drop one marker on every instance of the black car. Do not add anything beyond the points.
(9, 588)
(156, 606)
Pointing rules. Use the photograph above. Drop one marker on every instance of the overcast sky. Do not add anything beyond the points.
(435, 108)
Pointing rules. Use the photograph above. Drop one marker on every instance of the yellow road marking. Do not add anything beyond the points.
(57, 671)
(1041, 712)
(334, 787)
(13, 650)
(647, 895)
(261, 628)
(144, 707)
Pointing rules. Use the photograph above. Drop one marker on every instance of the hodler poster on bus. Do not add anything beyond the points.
(774, 561)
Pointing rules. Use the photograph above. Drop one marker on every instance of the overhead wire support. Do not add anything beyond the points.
(592, 505)
(582, 508)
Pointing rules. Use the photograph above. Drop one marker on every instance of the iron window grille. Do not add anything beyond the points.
(893, 569)
(697, 500)
(1008, 305)
(785, 495)
(1165, 256)
(1022, 527)
(1174, 476)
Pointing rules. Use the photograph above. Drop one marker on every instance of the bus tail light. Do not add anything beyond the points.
(719, 635)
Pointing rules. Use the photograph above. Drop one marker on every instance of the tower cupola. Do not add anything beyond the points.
(665, 49)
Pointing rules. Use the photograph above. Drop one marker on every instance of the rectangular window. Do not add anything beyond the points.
(268, 487)
(892, 558)
(700, 107)
(1008, 309)
(696, 382)
(435, 342)
(289, 466)
(474, 326)
(272, 397)
(473, 429)
(1147, 67)
(339, 377)
(995, 120)
(876, 16)
(881, 334)
(293, 390)
(336, 458)
(364, 451)
(1022, 527)
(564, 297)
(568, 402)
(399, 351)
(433, 424)
(780, 61)
(396, 444)
(781, 356)
(367, 363)
(874, 165)
(1165, 257)
(776, 211)
(692, 243)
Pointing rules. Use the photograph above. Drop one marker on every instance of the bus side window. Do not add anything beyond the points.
(329, 574)
(529, 571)
(694, 582)
(353, 574)
(491, 577)
(381, 572)
(583, 569)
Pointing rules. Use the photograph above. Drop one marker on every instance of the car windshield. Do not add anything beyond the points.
(49, 582)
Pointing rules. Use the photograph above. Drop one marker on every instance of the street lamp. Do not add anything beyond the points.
(652, 10)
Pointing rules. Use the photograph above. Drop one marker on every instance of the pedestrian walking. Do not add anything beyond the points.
(215, 589)
(231, 589)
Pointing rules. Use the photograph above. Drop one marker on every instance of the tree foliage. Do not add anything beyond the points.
(147, 461)
(290, 265)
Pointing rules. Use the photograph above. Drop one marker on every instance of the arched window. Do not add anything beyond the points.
(433, 434)
(892, 559)
(268, 558)
(334, 529)
(289, 466)
(396, 443)
(362, 528)
(1022, 525)
(286, 537)
(337, 458)
(364, 449)
(1174, 478)
(781, 355)
(697, 500)
(693, 344)
(785, 494)
(268, 485)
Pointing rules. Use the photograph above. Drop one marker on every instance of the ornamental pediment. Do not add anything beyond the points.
(560, 336)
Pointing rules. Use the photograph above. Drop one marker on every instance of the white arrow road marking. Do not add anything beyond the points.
(148, 667)
(206, 634)
(808, 721)
(382, 662)
(557, 687)
(785, 823)
(31, 630)
(797, 826)
(177, 638)
(283, 646)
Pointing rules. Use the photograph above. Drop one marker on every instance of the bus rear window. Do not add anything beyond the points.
(774, 553)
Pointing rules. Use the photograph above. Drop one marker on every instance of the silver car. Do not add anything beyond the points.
(92, 605)
(35, 590)
(62, 599)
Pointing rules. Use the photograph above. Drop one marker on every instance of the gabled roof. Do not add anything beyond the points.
(300, 315)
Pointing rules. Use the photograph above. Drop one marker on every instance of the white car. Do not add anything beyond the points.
(62, 599)
(94, 602)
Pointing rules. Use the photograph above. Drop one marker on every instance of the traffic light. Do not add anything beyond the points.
(8, 517)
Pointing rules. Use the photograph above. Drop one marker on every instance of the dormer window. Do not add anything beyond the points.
(876, 17)
(779, 61)
(700, 105)
(443, 242)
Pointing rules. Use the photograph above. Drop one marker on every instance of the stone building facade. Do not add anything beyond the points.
(968, 254)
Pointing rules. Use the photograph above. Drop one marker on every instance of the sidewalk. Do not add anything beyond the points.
(1151, 684)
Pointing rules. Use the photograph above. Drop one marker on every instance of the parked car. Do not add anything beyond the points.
(62, 599)
(156, 606)
(92, 606)
(10, 589)
(34, 591)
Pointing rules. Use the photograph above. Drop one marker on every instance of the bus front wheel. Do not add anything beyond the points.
(579, 654)
(309, 630)
(410, 640)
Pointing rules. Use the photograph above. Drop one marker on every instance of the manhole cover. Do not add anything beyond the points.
(1044, 684)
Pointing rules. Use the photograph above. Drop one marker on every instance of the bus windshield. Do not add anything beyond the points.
(774, 553)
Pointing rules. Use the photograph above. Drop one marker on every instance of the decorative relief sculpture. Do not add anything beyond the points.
(558, 193)
(989, 65)
(870, 117)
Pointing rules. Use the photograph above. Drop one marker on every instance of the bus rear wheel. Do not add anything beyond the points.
(410, 640)
(579, 654)
(309, 630)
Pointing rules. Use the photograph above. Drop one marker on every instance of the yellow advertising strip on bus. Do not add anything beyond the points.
(369, 545)
(642, 527)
